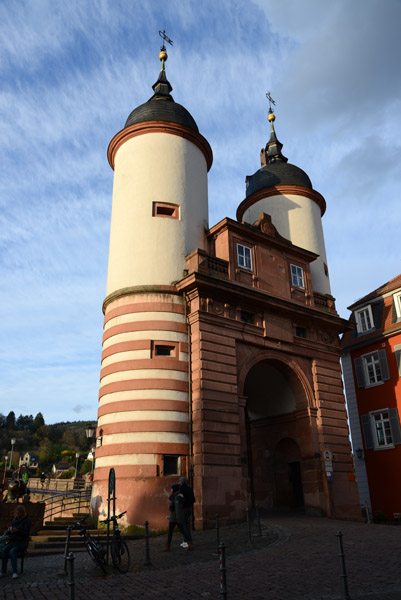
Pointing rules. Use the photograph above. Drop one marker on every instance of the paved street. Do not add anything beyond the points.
(296, 558)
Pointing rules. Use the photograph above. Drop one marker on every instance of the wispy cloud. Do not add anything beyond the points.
(71, 74)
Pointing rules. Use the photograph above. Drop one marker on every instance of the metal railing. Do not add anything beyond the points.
(60, 502)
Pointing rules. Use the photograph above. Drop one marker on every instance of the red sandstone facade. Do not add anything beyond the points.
(372, 368)
(266, 389)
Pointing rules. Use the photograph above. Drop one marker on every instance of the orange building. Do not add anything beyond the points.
(221, 345)
(372, 367)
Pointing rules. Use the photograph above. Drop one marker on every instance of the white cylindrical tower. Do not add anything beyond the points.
(159, 215)
(285, 192)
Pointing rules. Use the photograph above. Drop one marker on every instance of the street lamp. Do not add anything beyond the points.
(77, 455)
(90, 431)
(13, 440)
(5, 468)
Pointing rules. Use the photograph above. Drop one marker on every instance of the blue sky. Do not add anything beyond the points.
(71, 72)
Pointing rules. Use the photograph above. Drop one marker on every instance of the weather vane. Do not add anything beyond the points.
(165, 39)
(271, 101)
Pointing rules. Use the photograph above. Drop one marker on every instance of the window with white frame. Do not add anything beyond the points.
(364, 319)
(397, 304)
(297, 276)
(244, 257)
(381, 429)
(371, 369)
(372, 366)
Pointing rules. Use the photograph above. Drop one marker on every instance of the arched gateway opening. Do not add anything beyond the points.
(278, 435)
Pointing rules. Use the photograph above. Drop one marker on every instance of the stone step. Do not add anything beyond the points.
(61, 538)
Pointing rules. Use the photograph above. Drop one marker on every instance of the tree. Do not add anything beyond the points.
(38, 421)
(24, 423)
(68, 440)
(45, 451)
(86, 467)
(10, 420)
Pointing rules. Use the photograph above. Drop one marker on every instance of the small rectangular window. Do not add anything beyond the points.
(244, 257)
(164, 209)
(162, 350)
(171, 464)
(364, 319)
(297, 276)
(300, 332)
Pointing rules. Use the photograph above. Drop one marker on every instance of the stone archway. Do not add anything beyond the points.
(278, 432)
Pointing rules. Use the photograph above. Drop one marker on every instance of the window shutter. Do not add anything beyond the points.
(395, 425)
(394, 312)
(367, 431)
(360, 373)
(397, 350)
(383, 365)
(377, 313)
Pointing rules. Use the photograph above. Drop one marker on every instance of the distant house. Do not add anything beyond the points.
(371, 359)
(29, 460)
(59, 468)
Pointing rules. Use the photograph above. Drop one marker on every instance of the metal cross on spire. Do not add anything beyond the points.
(271, 101)
(165, 39)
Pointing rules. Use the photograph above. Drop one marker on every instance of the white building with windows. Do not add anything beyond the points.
(372, 367)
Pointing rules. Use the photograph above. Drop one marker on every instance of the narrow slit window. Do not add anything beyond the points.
(164, 209)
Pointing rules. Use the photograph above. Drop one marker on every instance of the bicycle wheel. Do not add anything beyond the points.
(96, 556)
(120, 554)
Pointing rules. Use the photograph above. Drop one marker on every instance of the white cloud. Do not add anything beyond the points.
(71, 74)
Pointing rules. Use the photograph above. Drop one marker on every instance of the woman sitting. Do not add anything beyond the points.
(17, 540)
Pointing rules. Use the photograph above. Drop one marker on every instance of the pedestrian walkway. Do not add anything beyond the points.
(296, 558)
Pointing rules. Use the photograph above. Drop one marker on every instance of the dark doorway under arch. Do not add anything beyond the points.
(275, 398)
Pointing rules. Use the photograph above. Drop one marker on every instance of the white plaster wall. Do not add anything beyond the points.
(298, 219)
(146, 250)
(143, 415)
(143, 394)
(145, 436)
(152, 374)
(356, 433)
(146, 334)
(127, 459)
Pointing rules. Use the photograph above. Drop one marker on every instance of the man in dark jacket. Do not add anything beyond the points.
(18, 540)
(189, 500)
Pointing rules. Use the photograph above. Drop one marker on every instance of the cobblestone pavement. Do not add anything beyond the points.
(295, 559)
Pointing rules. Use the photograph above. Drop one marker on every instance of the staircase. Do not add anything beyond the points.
(51, 539)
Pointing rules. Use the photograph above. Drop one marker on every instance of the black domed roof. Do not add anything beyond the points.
(161, 106)
(275, 169)
(162, 110)
(277, 173)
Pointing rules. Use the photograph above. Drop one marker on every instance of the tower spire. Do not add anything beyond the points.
(273, 146)
(162, 87)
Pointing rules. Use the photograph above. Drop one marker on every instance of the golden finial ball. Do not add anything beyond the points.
(271, 117)
(163, 55)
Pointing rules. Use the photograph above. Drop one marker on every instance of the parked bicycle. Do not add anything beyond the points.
(95, 550)
(119, 550)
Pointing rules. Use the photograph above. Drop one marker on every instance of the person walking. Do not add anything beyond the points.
(189, 501)
(176, 515)
(18, 540)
